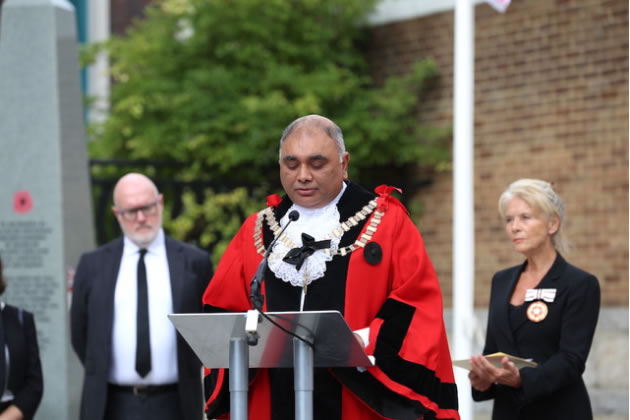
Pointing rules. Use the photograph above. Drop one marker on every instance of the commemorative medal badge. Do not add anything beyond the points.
(538, 310)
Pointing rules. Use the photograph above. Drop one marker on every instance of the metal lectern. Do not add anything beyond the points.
(220, 341)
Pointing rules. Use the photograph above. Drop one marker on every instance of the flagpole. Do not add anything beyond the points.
(463, 197)
(98, 72)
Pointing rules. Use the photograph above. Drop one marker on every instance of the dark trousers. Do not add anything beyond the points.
(125, 405)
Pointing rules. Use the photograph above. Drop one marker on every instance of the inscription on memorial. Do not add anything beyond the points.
(24, 243)
(23, 246)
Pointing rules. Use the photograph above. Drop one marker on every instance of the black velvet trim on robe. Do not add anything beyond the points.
(396, 318)
(380, 398)
(326, 293)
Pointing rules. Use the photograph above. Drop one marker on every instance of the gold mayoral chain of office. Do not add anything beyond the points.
(337, 232)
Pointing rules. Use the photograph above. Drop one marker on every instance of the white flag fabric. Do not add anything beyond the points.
(499, 5)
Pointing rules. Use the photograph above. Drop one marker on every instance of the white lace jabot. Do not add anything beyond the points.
(318, 223)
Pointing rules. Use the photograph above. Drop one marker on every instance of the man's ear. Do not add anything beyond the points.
(344, 164)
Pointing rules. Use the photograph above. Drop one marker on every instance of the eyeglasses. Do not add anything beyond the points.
(131, 215)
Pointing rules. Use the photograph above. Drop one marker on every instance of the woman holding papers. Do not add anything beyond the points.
(544, 310)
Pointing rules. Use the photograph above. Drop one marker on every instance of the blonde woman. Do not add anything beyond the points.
(544, 309)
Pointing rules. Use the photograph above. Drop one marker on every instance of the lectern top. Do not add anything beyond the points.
(334, 343)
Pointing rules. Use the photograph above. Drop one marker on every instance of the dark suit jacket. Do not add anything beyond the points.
(25, 373)
(559, 344)
(92, 317)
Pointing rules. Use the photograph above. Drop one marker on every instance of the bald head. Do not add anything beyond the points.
(138, 207)
(131, 185)
(313, 122)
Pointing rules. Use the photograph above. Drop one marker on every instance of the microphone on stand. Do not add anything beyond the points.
(255, 294)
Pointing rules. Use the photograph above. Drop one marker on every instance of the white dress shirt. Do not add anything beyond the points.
(163, 336)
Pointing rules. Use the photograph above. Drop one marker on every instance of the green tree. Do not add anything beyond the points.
(212, 83)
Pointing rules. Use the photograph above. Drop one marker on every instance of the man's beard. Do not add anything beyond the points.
(144, 237)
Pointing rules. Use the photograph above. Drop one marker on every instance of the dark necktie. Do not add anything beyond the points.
(143, 342)
(3, 358)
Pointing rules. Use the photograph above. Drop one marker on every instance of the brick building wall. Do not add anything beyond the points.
(551, 102)
(124, 12)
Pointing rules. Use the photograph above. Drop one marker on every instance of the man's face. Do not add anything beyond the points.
(139, 213)
(310, 171)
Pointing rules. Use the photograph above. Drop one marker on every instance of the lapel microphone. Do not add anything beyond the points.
(255, 294)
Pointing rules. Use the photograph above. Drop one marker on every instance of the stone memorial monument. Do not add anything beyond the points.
(45, 199)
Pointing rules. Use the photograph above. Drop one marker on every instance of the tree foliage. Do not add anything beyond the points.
(212, 83)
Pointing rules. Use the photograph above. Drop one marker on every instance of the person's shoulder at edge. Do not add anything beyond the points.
(507, 270)
(114, 243)
(109, 245)
(578, 273)
(188, 246)
(18, 309)
(573, 272)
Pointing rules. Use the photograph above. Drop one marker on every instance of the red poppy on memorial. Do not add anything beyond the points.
(22, 202)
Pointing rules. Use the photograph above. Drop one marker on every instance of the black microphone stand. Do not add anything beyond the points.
(255, 294)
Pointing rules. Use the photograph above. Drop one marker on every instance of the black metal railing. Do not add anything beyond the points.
(105, 174)
(163, 174)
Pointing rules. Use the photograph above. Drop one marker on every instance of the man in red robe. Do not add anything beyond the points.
(352, 251)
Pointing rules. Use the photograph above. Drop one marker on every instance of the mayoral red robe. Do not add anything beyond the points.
(385, 282)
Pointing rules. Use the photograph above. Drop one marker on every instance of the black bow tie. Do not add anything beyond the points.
(297, 255)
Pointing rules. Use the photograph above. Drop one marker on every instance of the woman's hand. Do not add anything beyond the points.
(12, 412)
(480, 379)
(483, 373)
